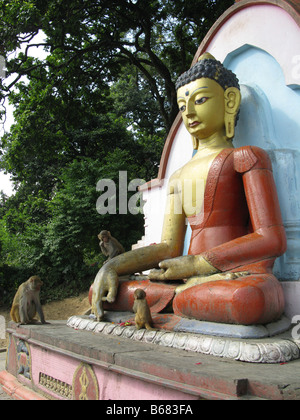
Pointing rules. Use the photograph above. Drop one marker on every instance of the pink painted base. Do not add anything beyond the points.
(111, 385)
(16, 390)
(75, 371)
(55, 361)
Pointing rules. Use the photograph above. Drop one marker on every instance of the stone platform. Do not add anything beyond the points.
(271, 343)
(59, 362)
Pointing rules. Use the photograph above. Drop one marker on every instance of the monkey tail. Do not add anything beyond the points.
(14, 314)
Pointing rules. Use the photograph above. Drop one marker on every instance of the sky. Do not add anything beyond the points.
(5, 183)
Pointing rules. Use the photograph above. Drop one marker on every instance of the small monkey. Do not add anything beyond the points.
(143, 318)
(27, 302)
(109, 245)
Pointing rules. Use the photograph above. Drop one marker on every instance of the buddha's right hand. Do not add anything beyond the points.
(104, 289)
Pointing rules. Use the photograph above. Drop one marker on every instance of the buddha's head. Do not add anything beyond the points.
(209, 98)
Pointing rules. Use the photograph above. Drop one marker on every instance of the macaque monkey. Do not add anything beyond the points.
(109, 245)
(143, 318)
(27, 302)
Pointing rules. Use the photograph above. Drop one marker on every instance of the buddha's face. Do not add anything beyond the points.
(202, 105)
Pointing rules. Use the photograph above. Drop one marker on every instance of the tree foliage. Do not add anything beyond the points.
(97, 38)
(101, 101)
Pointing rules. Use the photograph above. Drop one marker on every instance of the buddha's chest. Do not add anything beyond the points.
(192, 183)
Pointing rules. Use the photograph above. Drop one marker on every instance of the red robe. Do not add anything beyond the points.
(240, 229)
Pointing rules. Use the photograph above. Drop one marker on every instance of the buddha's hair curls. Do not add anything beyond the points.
(211, 69)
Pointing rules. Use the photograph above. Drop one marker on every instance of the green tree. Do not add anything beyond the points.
(64, 248)
(101, 102)
(97, 38)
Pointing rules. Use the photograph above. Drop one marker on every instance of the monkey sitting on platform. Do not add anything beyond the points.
(109, 245)
(27, 302)
(143, 318)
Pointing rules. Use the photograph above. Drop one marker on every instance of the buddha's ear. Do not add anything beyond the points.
(232, 98)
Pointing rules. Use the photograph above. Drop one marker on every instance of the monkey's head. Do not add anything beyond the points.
(139, 294)
(104, 235)
(35, 282)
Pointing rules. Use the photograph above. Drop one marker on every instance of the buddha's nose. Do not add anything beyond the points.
(190, 109)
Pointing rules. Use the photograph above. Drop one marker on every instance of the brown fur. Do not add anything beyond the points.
(27, 302)
(109, 245)
(143, 318)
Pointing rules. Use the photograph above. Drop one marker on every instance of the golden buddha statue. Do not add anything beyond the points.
(236, 224)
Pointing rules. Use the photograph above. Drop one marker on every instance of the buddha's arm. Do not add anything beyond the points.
(268, 239)
(171, 244)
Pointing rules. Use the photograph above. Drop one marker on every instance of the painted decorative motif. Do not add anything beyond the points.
(85, 384)
(58, 387)
(24, 359)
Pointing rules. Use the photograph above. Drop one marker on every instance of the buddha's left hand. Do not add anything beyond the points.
(182, 267)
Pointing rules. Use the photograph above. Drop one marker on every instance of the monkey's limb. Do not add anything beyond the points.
(23, 309)
(103, 249)
(39, 310)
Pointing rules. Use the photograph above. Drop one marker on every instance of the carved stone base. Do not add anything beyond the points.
(278, 349)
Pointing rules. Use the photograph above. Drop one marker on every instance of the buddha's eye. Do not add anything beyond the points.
(182, 108)
(201, 100)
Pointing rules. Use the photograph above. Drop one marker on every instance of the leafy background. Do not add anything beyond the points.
(101, 101)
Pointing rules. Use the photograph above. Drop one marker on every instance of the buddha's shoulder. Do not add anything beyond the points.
(175, 175)
(249, 157)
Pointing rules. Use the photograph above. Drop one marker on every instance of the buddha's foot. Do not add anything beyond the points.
(193, 281)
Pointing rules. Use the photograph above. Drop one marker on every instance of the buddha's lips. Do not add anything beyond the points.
(193, 124)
